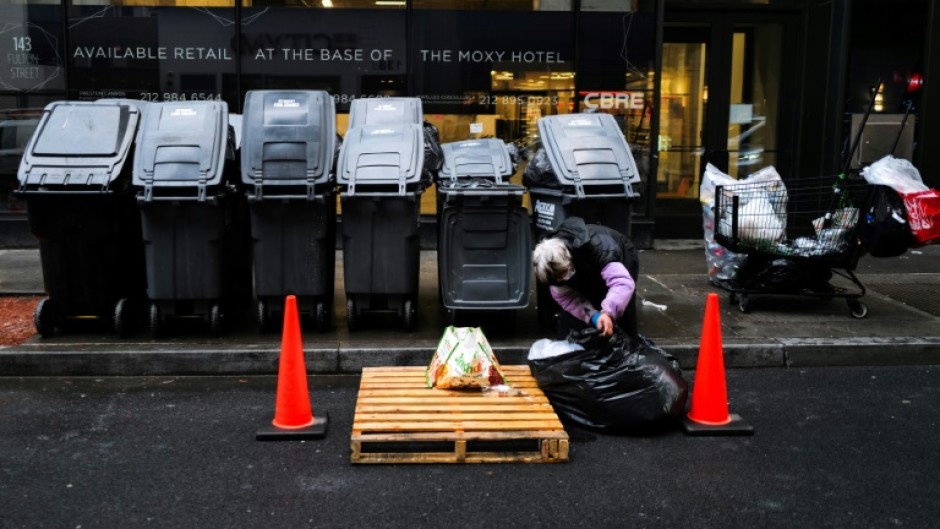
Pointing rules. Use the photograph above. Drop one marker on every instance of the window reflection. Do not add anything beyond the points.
(156, 3)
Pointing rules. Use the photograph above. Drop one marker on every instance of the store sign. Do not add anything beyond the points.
(613, 100)
(30, 57)
(151, 53)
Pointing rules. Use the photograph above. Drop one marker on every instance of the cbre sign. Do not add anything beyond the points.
(608, 100)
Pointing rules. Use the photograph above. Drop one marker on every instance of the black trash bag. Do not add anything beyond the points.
(884, 230)
(614, 385)
(336, 151)
(433, 154)
(539, 172)
(769, 274)
(514, 155)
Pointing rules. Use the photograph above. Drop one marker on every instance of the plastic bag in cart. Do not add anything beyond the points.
(896, 173)
(614, 384)
(722, 264)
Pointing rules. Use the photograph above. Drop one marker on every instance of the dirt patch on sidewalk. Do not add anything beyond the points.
(16, 319)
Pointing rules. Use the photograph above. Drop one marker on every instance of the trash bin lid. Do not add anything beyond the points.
(382, 155)
(385, 110)
(485, 158)
(288, 137)
(79, 144)
(182, 143)
(588, 149)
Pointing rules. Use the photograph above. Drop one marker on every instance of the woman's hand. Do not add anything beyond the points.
(605, 324)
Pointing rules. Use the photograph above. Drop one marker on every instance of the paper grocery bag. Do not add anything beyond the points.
(464, 359)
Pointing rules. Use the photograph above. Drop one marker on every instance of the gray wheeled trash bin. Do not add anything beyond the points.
(484, 238)
(592, 175)
(188, 212)
(380, 179)
(75, 179)
(288, 146)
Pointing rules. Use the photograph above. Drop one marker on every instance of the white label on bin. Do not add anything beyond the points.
(544, 215)
(580, 123)
(286, 103)
(476, 128)
(384, 108)
(469, 144)
(382, 131)
(178, 112)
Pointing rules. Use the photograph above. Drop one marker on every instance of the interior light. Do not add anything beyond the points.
(326, 3)
(389, 2)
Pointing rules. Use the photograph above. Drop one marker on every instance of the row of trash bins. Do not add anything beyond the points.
(147, 212)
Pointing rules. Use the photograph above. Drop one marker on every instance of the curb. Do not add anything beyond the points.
(797, 352)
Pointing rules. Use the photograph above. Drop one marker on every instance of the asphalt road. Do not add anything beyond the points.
(834, 447)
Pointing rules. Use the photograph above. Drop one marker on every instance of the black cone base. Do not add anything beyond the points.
(317, 430)
(737, 426)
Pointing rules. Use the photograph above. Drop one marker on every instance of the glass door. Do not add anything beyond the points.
(721, 102)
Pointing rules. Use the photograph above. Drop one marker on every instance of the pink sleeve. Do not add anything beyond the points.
(620, 288)
(571, 300)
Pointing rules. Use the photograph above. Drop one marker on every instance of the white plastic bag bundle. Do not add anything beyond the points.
(896, 173)
(758, 222)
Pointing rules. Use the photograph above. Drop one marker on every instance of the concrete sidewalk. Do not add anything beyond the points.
(903, 297)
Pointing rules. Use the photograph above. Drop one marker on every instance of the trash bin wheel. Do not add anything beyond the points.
(408, 315)
(264, 317)
(155, 320)
(322, 317)
(352, 314)
(122, 317)
(857, 308)
(44, 318)
(215, 320)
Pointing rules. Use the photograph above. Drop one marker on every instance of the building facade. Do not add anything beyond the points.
(738, 84)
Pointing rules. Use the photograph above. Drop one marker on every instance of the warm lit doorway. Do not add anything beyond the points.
(727, 98)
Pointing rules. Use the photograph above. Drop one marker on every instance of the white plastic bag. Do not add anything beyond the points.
(896, 173)
(758, 222)
(546, 348)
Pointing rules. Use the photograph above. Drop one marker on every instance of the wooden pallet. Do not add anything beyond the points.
(400, 420)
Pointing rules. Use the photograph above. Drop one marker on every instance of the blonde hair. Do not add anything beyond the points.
(550, 258)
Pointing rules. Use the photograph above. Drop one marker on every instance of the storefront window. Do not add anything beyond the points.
(328, 4)
(616, 71)
(156, 3)
(495, 5)
(32, 73)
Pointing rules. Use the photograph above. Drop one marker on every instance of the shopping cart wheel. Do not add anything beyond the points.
(352, 314)
(215, 320)
(858, 309)
(744, 304)
(264, 318)
(408, 315)
(44, 317)
(156, 322)
(122, 317)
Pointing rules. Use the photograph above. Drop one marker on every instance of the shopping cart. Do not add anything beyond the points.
(795, 237)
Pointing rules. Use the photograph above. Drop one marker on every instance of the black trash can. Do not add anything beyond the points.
(75, 179)
(484, 238)
(585, 169)
(287, 152)
(191, 218)
(380, 177)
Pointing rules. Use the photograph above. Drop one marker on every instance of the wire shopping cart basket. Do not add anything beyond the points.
(795, 236)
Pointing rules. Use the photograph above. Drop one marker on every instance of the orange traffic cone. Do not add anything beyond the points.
(293, 416)
(709, 411)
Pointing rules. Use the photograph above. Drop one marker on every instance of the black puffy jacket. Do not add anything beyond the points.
(593, 247)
